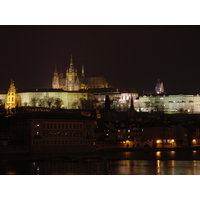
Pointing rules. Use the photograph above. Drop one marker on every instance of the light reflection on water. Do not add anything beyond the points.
(133, 163)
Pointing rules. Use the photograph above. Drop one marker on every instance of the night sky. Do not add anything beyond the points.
(127, 56)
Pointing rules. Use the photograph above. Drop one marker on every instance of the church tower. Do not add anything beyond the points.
(72, 82)
(83, 84)
(159, 88)
(55, 82)
(12, 100)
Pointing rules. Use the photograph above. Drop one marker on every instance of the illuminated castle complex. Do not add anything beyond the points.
(71, 91)
(73, 82)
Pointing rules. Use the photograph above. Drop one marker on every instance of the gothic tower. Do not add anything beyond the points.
(159, 88)
(72, 82)
(55, 82)
(83, 84)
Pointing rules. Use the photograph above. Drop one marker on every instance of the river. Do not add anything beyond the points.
(107, 163)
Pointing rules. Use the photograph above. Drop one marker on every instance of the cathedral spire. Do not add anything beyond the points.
(71, 68)
(55, 81)
(83, 72)
(61, 72)
(159, 88)
(55, 71)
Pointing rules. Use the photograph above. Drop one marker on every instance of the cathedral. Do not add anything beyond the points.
(72, 82)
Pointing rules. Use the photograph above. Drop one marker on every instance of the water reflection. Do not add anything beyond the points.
(132, 163)
(158, 154)
(117, 167)
(158, 167)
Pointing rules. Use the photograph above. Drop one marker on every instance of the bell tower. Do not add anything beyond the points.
(12, 98)
(55, 81)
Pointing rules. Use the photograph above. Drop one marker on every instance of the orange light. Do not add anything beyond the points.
(158, 141)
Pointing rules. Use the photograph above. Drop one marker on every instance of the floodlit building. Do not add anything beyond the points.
(73, 82)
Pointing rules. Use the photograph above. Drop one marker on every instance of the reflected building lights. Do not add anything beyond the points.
(158, 167)
(38, 170)
(172, 153)
(172, 167)
(195, 167)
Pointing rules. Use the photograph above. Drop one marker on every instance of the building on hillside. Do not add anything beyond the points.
(73, 82)
(168, 103)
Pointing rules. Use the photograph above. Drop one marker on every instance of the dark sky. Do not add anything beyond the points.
(127, 56)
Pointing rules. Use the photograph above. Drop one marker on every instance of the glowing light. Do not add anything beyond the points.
(172, 140)
(194, 141)
(172, 153)
(158, 153)
(158, 141)
(11, 173)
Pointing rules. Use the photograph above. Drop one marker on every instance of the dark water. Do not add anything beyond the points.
(119, 163)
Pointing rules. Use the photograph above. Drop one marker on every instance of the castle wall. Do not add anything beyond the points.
(2, 98)
(70, 100)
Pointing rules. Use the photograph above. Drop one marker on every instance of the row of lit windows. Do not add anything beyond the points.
(67, 134)
(62, 126)
(63, 142)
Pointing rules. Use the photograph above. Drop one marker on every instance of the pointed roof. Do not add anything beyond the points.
(55, 71)
(83, 71)
(71, 68)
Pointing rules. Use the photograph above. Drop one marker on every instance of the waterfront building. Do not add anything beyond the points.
(47, 131)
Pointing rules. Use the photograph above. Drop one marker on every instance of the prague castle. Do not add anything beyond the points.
(73, 91)
(73, 82)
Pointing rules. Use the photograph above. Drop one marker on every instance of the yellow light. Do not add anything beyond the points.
(194, 141)
(172, 140)
(127, 141)
(158, 141)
